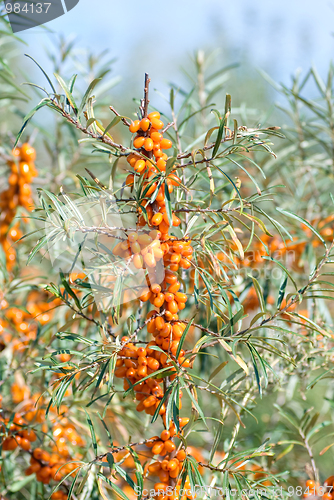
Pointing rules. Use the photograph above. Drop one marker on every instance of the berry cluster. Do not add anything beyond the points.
(145, 248)
(17, 194)
(48, 466)
(326, 491)
(19, 327)
(17, 433)
(329, 485)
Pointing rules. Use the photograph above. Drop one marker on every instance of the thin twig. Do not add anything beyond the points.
(103, 138)
(145, 101)
(124, 120)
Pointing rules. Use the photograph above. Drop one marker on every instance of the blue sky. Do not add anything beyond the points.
(289, 33)
(157, 36)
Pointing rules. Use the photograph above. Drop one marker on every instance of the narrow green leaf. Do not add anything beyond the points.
(85, 98)
(303, 221)
(44, 73)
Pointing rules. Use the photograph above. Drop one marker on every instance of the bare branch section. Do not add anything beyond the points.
(124, 120)
(85, 130)
(145, 102)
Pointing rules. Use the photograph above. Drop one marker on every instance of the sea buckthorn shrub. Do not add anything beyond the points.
(184, 328)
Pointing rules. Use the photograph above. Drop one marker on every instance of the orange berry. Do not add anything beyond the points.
(153, 364)
(144, 239)
(151, 189)
(129, 180)
(9, 444)
(329, 481)
(172, 307)
(183, 421)
(150, 401)
(17, 151)
(170, 277)
(155, 234)
(148, 144)
(155, 288)
(29, 471)
(326, 496)
(45, 456)
(155, 467)
(174, 473)
(140, 165)
(138, 261)
(156, 123)
(57, 495)
(166, 144)
(177, 331)
(151, 326)
(38, 453)
(169, 297)
(163, 476)
(165, 435)
(153, 114)
(139, 141)
(175, 258)
(25, 444)
(174, 288)
(146, 295)
(149, 260)
(157, 219)
(135, 247)
(163, 227)
(159, 300)
(142, 371)
(45, 472)
(172, 464)
(159, 323)
(165, 331)
(35, 467)
(169, 316)
(142, 361)
(121, 372)
(181, 455)
(185, 264)
(134, 127)
(132, 237)
(157, 152)
(27, 152)
(161, 164)
(174, 180)
(145, 124)
(169, 446)
(131, 372)
(156, 136)
(29, 434)
(181, 297)
(158, 448)
(176, 221)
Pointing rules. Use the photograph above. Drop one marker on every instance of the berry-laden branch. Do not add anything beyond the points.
(150, 246)
(18, 194)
